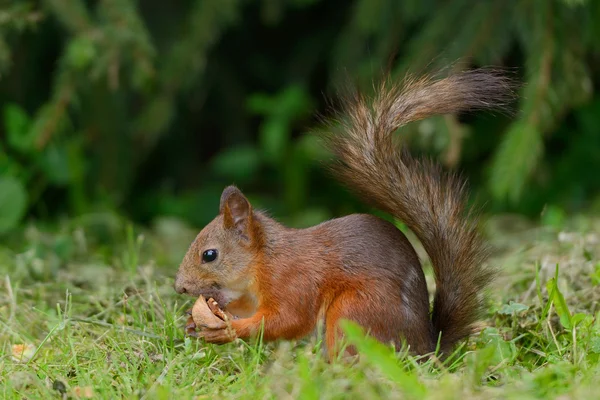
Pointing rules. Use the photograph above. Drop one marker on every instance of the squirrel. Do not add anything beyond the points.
(359, 267)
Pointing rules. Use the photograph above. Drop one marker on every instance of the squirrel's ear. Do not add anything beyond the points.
(236, 210)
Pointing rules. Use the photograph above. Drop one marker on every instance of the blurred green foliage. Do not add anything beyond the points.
(151, 108)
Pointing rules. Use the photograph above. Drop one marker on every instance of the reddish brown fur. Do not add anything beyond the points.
(358, 267)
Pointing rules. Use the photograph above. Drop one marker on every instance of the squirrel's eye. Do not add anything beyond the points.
(209, 255)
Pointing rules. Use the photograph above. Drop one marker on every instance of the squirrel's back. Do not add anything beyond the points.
(431, 202)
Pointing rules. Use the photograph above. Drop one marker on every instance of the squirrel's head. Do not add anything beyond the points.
(219, 262)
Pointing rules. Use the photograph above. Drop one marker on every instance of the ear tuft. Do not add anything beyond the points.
(236, 210)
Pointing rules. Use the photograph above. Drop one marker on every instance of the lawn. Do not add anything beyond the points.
(87, 310)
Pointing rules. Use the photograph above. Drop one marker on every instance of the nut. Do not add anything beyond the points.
(203, 316)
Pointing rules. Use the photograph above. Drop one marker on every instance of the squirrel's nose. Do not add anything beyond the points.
(179, 286)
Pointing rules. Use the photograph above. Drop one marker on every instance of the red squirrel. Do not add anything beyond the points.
(358, 267)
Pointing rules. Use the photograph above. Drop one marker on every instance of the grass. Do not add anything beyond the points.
(87, 310)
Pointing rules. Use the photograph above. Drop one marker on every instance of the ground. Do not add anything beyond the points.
(87, 310)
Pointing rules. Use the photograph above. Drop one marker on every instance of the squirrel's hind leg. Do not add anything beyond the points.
(381, 315)
(366, 311)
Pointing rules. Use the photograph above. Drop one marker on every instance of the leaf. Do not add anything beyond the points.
(575, 3)
(260, 103)
(238, 163)
(274, 138)
(554, 216)
(595, 345)
(505, 350)
(596, 275)
(80, 52)
(515, 161)
(295, 185)
(512, 308)
(13, 202)
(9, 165)
(579, 317)
(308, 390)
(294, 102)
(482, 360)
(312, 148)
(55, 164)
(280, 111)
(16, 124)
(560, 304)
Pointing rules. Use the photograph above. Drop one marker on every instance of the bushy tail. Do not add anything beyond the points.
(432, 203)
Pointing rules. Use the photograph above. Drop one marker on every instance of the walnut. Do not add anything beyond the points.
(206, 314)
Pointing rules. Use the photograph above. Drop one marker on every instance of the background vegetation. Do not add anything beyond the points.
(122, 121)
(150, 108)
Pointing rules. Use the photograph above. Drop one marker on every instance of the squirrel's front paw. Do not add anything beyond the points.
(190, 325)
(219, 336)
